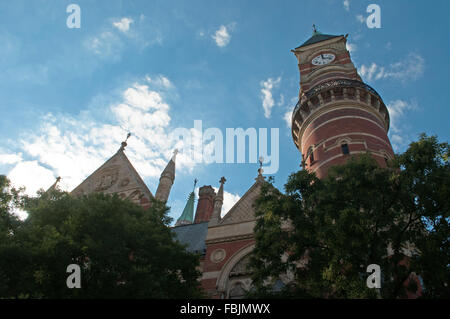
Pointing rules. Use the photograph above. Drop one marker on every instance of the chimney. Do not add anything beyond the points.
(205, 205)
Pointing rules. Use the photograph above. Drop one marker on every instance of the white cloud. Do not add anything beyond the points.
(287, 117)
(229, 200)
(75, 146)
(123, 24)
(351, 47)
(266, 95)
(407, 69)
(346, 4)
(10, 158)
(32, 175)
(398, 110)
(222, 36)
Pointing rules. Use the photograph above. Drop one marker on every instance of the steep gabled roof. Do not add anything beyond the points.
(116, 175)
(243, 209)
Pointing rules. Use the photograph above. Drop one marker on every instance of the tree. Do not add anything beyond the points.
(123, 250)
(323, 233)
(9, 223)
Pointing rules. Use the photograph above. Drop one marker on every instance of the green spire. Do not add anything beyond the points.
(187, 217)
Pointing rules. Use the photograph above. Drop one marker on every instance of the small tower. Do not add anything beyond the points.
(166, 180)
(205, 205)
(187, 217)
(337, 114)
(218, 203)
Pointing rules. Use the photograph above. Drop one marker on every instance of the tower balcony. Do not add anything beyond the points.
(334, 94)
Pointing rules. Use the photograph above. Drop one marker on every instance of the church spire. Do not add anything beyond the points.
(218, 203)
(187, 217)
(166, 180)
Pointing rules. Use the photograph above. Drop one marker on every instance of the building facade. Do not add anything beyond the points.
(337, 115)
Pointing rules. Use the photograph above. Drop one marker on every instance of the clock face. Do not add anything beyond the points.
(323, 59)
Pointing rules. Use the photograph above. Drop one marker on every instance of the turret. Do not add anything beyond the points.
(218, 203)
(166, 180)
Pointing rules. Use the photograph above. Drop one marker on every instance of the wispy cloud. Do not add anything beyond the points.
(116, 35)
(407, 69)
(267, 95)
(106, 44)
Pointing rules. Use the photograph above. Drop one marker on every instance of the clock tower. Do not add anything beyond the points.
(337, 114)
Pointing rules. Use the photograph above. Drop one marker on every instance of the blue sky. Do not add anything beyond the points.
(68, 96)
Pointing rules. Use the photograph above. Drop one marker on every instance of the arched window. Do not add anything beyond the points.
(345, 149)
(310, 154)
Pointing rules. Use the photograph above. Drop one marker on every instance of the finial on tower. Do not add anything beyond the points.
(222, 180)
(315, 30)
(260, 170)
(195, 182)
(124, 143)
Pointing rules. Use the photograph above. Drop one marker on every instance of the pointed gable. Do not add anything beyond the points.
(243, 210)
(116, 176)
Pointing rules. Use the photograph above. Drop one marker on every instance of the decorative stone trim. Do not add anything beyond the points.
(229, 239)
(218, 255)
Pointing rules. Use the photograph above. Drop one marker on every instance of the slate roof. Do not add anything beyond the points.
(194, 235)
(318, 37)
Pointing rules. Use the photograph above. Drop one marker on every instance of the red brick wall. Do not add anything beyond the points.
(362, 130)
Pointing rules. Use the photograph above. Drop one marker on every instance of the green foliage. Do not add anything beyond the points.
(123, 250)
(324, 233)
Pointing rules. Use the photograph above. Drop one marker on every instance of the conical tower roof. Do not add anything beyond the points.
(169, 171)
(187, 217)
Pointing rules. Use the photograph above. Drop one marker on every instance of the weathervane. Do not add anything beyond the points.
(195, 182)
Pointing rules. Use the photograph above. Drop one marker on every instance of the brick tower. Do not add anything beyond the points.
(337, 114)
